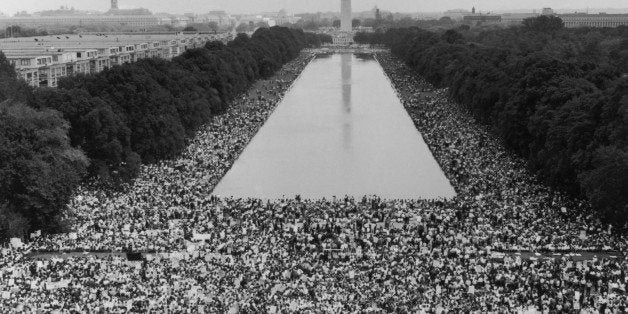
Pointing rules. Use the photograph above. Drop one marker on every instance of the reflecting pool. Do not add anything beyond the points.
(340, 130)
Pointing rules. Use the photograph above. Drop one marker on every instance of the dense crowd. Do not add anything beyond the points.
(493, 248)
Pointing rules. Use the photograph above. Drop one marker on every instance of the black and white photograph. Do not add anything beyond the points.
(330, 156)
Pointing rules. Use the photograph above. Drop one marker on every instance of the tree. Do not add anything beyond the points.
(39, 170)
(213, 26)
(18, 31)
(243, 28)
(464, 28)
(96, 129)
(554, 96)
(261, 24)
(190, 29)
(10, 86)
(356, 23)
(311, 26)
(150, 111)
(451, 36)
(543, 23)
(607, 183)
(336, 23)
(145, 110)
(446, 20)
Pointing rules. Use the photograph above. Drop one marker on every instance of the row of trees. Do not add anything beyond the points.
(106, 124)
(18, 31)
(558, 97)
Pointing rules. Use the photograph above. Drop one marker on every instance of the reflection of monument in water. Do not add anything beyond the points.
(347, 126)
(340, 130)
(345, 60)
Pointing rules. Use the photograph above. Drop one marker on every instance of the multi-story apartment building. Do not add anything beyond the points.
(594, 20)
(115, 17)
(81, 20)
(570, 20)
(42, 62)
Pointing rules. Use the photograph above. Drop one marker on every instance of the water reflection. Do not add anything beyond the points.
(345, 65)
(340, 130)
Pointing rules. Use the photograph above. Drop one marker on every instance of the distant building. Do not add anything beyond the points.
(81, 20)
(174, 20)
(342, 38)
(250, 19)
(457, 14)
(345, 16)
(594, 20)
(69, 17)
(309, 17)
(115, 10)
(516, 18)
(62, 11)
(137, 11)
(279, 18)
(364, 29)
(42, 62)
(221, 18)
(547, 11)
(378, 14)
(482, 18)
(475, 18)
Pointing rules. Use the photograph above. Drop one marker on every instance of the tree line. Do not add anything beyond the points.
(104, 125)
(556, 96)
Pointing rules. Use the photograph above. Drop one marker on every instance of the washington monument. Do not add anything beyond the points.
(345, 16)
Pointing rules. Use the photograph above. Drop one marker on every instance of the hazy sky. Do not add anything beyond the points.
(298, 6)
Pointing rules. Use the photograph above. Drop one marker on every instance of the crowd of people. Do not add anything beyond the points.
(504, 244)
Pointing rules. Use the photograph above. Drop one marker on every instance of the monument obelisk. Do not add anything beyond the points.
(345, 16)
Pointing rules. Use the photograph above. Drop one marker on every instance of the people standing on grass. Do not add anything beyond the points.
(490, 249)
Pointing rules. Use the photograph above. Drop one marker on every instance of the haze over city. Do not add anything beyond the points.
(299, 6)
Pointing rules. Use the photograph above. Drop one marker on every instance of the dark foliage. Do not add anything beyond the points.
(18, 31)
(544, 23)
(39, 170)
(120, 117)
(555, 96)
(10, 86)
(315, 40)
(144, 111)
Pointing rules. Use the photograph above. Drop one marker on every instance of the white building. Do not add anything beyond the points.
(81, 20)
(594, 20)
(174, 20)
(221, 18)
(280, 18)
(42, 62)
